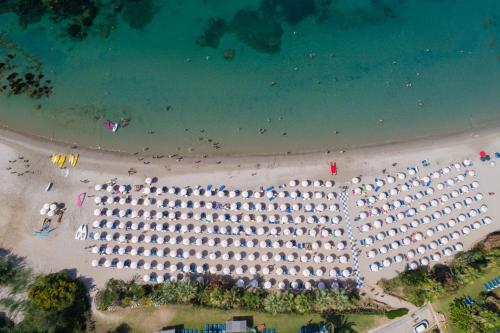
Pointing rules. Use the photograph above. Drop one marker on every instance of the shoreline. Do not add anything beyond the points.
(41, 143)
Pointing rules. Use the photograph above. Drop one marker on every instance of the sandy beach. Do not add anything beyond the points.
(25, 171)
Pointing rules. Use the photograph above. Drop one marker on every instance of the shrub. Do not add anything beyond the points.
(120, 293)
(253, 299)
(278, 302)
(222, 295)
(396, 313)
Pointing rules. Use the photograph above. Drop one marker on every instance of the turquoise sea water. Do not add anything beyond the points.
(347, 73)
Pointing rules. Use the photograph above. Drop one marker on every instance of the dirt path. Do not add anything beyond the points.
(379, 295)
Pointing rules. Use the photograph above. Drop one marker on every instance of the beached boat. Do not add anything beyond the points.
(61, 161)
(79, 233)
(74, 160)
(49, 186)
(84, 232)
(111, 125)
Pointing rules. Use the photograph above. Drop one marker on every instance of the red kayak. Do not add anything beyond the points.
(333, 168)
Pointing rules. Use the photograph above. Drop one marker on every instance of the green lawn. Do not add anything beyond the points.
(193, 317)
(472, 289)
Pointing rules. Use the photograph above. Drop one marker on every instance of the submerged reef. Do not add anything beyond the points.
(262, 28)
(17, 80)
(78, 17)
(138, 13)
(20, 72)
(215, 29)
(260, 33)
(292, 11)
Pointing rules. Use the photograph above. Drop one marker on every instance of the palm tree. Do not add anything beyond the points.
(340, 322)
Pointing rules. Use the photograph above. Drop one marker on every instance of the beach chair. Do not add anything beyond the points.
(468, 301)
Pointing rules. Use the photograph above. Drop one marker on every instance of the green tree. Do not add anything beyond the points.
(56, 303)
(340, 323)
(53, 291)
(419, 286)
(481, 317)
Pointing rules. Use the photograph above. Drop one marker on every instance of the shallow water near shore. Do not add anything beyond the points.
(348, 74)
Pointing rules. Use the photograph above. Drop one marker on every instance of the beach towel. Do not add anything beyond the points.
(333, 168)
(80, 198)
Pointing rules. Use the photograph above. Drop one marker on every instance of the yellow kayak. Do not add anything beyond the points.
(55, 158)
(70, 159)
(75, 160)
(62, 160)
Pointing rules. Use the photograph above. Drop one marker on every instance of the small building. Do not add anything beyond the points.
(236, 326)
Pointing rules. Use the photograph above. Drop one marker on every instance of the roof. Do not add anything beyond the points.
(236, 326)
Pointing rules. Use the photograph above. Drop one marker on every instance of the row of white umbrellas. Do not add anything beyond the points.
(225, 256)
(206, 216)
(436, 256)
(455, 235)
(226, 270)
(206, 241)
(443, 240)
(214, 205)
(415, 182)
(411, 211)
(429, 232)
(198, 190)
(223, 230)
(426, 219)
(377, 224)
